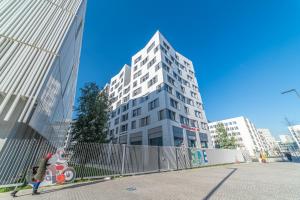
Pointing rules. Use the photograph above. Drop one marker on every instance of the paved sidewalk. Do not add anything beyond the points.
(239, 181)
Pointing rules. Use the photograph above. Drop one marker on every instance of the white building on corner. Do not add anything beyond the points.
(269, 143)
(244, 132)
(295, 132)
(156, 100)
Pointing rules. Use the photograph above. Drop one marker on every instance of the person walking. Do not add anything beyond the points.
(41, 172)
(38, 173)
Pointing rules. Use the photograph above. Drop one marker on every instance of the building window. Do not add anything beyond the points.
(203, 126)
(174, 103)
(168, 88)
(180, 97)
(152, 81)
(151, 47)
(166, 113)
(134, 102)
(186, 110)
(124, 128)
(161, 114)
(144, 61)
(113, 114)
(171, 115)
(165, 67)
(166, 46)
(137, 74)
(125, 107)
(126, 90)
(124, 117)
(198, 104)
(137, 59)
(157, 67)
(194, 94)
(178, 136)
(125, 99)
(170, 80)
(184, 120)
(137, 91)
(117, 121)
(134, 83)
(153, 104)
(145, 121)
(133, 124)
(169, 62)
(136, 112)
(190, 102)
(198, 114)
(151, 62)
(144, 78)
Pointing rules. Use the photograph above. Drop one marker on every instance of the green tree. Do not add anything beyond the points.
(223, 141)
(90, 124)
(91, 115)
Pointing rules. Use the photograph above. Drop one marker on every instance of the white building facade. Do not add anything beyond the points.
(286, 138)
(156, 100)
(295, 132)
(243, 130)
(40, 43)
(268, 142)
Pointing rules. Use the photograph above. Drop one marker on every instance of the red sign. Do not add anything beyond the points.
(189, 128)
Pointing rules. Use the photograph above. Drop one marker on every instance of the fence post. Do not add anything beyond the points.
(184, 156)
(158, 157)
(176, 154)
(123, 159)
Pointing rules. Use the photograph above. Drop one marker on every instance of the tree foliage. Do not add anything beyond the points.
(223, 141)
(91, 115)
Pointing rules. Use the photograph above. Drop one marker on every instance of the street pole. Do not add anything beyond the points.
(292, 90)
(293, 132)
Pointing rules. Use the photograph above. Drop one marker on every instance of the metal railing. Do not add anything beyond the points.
(94, 160)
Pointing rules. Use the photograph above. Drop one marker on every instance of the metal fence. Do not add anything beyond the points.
(96, 160)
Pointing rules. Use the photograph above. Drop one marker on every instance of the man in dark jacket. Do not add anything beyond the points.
(41, 172)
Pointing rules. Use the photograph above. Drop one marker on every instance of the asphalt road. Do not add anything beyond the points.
(239, 181)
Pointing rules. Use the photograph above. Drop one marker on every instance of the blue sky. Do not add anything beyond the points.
(244, 52)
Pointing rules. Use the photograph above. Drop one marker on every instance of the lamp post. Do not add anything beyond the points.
(292, 90)
(292, 131)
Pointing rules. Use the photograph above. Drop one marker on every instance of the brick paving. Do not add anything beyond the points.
(238, 181)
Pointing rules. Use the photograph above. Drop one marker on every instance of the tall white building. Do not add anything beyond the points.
(156, 100)
(40, 42)
(244, 132)
(295, 132)
(268, 142)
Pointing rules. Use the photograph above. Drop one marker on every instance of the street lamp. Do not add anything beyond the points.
(292, 90)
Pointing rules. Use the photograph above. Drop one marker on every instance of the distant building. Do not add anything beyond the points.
(268, 142)
(295, 132)
(286, 139)
(156, 101)
(243, 130)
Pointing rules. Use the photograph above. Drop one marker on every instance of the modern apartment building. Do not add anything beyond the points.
(156, 100)
(295, 132)
(40, 44)
(268, 142)
(243, 130)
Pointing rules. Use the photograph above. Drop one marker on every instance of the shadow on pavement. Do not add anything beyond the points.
(66, 187)
(219, 184)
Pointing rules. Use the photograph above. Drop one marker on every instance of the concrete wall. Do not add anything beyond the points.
(223, 156)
